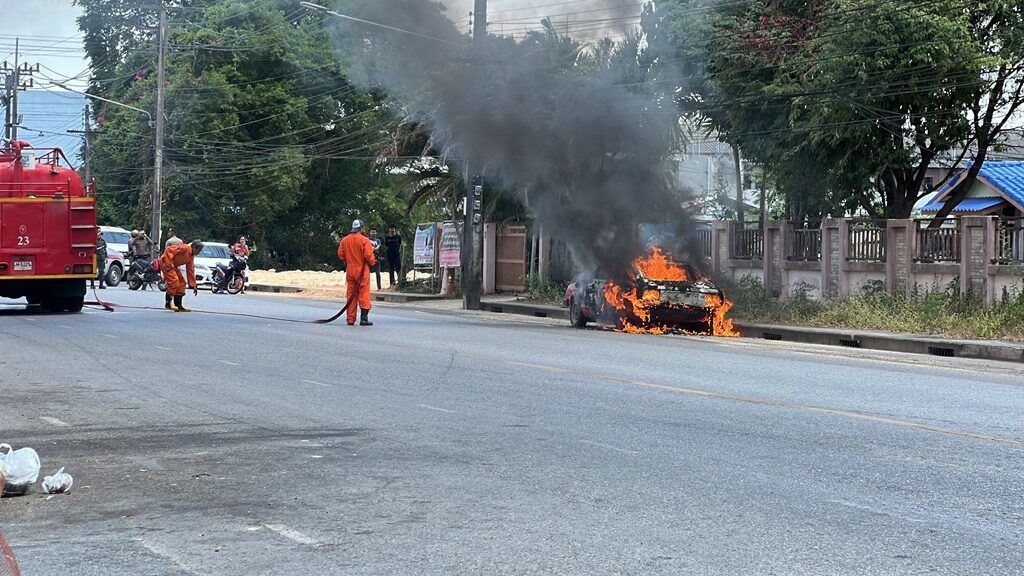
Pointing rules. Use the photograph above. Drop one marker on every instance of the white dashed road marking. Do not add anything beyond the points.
(164, 348)
(54, 421)
(111, 336)
(291, 534)
(170, 556)
(610, 447)
(428, 407)
(229, 363)
(316, 383)
(147, 463)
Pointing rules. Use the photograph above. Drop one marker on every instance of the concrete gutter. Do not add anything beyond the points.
(403, 297)
(525, 309)
(909, 343)
(394, 297)
(275, 289)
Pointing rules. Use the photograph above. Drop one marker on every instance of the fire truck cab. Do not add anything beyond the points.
(47, 228)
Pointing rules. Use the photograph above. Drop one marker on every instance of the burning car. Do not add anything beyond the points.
(659, 295)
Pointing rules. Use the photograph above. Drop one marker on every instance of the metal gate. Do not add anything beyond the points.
(510, 258)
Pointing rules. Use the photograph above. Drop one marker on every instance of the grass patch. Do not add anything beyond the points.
(541, 290)
(942, 312)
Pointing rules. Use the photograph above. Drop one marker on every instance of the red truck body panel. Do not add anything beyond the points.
(47, 222)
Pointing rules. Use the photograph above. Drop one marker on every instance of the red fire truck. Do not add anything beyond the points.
(47, 228)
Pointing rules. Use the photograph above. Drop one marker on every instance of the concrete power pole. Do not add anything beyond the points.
(472, 230)
(13, 84)
(156, 200)
(85, 143)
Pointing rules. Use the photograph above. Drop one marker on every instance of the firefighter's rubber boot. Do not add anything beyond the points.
(178, 304)
(365, 319)
(167, 302)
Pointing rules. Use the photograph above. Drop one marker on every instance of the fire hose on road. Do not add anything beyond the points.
(110, 307)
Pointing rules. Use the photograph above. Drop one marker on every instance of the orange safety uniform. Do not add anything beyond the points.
(174, 256)
(356, 251)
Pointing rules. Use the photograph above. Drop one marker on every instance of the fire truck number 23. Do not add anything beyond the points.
(23, 241)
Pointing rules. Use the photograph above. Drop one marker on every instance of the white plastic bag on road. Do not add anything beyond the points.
(59, 483)
(19, 466)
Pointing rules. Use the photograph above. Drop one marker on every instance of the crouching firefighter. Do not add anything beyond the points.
(356, 254)
(175, 256)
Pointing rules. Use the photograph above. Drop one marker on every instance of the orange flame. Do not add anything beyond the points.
(658, 266)
(634, 310)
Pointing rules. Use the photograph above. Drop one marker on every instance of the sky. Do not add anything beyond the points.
(49, 35)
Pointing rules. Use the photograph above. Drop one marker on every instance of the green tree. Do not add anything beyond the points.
(265, 136)
(847, 103)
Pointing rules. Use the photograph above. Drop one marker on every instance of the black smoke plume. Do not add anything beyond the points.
(586, 138)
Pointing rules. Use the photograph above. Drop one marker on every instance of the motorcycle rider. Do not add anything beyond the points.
(174, 256)
(141, 247)
(356, 254)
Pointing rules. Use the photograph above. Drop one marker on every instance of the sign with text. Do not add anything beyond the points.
(451, 244)
(423, 245)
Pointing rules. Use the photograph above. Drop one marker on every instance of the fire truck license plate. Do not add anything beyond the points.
(23, 266)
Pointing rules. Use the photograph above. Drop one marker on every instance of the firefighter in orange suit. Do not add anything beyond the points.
(356, 254)
(175, 256)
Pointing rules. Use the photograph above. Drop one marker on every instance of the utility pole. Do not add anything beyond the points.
(158, 154)
(13, 84)
(85, 132)
(473, 228)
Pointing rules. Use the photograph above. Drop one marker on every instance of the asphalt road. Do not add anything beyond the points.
(461, 443)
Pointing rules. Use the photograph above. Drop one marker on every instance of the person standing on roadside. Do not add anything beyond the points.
(172, 238)
(101, 261)
(375, 242)
(393, 247)
(356, 255)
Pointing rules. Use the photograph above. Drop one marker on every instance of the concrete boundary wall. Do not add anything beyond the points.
(905, 257)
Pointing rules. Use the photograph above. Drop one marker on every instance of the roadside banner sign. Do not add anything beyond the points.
(423, 246)
(451, 244)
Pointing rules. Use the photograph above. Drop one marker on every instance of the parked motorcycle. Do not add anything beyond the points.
(230, 277)
(143, 273)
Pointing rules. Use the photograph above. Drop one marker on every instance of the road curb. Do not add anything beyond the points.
(403, 297)
(908, 343)
(867, 340)
(275, 289)
(393, 297)
(526, 309)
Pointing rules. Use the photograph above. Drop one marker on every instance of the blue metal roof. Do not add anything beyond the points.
(967, 205)
(1006, 178)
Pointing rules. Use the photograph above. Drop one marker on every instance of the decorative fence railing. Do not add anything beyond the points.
(704, 240)
(1009, 241)
(866, 241)
(748, 241)
(938, 244)
(804, 243)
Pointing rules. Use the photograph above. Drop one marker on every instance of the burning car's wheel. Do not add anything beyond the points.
(576, 316)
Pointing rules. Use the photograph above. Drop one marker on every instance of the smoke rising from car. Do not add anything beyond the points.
(580, 141)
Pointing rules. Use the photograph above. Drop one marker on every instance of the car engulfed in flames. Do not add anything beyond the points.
(659, 295)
